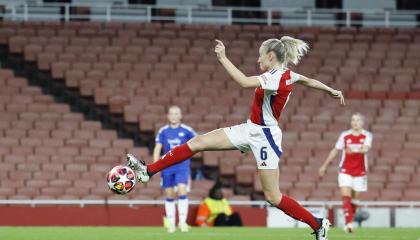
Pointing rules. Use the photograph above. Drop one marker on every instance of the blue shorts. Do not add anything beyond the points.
(172, 179)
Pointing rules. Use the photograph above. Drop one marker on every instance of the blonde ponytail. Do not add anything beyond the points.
(287, 49)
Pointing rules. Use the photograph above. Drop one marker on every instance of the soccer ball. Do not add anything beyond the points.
(121, 179)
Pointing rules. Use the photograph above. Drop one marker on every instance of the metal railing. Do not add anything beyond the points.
(208, 15)
(130, 203)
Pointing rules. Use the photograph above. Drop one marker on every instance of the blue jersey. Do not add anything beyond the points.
(171, 137)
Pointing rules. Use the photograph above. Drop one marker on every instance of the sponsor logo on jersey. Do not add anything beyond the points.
(174, 142)
(263, 164)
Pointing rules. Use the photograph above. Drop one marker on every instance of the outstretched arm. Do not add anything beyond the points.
(331, 156)
(234, 72)
(309, 82)
(156, 152)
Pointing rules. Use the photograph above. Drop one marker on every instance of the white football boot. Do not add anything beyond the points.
(139, 167)
(171, 229)
(184, 227)
(322, 232)
(348, 228)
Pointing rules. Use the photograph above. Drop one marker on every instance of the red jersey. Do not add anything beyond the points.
(271, 98)
(354, 164)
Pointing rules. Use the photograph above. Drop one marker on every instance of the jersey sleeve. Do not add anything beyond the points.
(340, 142)
(159, 137)
(269, 81)
(191, 133)
(368, 140)
(294, 77)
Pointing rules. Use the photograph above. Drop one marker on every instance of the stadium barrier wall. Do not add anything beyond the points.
(107, 216)
(18, 11)
(150, 213)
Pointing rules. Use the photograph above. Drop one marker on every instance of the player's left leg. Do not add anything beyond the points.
(182, 179)
(214, 140)
(355, 201)
(270, 183)
(360, 184)
(183, 204)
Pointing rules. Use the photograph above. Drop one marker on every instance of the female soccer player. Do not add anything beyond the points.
(261, 133)
(352, 179)
(177, 176)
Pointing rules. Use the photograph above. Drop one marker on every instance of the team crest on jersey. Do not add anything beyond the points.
(181, 134)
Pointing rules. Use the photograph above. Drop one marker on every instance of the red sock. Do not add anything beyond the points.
(348, 211)
(174, 156)
(296, 211)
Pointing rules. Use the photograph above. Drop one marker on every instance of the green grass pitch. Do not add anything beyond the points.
(156, 233)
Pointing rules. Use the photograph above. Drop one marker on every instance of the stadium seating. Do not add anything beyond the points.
(138, 70)
(49, 152)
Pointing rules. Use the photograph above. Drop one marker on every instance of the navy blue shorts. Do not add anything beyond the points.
(172, 179)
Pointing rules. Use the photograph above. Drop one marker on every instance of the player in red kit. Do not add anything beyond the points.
(353, 167)
(261, 133)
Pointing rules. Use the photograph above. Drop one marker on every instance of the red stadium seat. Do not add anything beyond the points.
(120, 65)
(245, 174)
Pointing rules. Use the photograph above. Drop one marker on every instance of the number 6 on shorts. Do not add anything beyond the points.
(263, 153)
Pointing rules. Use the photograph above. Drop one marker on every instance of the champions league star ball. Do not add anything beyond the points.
(121, 179)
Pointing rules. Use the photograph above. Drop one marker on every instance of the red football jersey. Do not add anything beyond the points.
(271, 98)
(354, 164)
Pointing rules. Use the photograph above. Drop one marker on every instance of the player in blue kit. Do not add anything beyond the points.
(175, 178)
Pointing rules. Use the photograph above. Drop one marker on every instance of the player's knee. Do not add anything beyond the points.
(182, 190)
(273, 197)
(346, 192)
(197, 143)
(182, 193)
(170, 193)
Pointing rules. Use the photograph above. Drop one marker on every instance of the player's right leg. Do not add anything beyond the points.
(347, 208)
(345, 183)
(358, 184)
(214, 140)
(270, 183)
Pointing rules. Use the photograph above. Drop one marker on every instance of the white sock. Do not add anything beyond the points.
(183, 209)
(170, 211)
